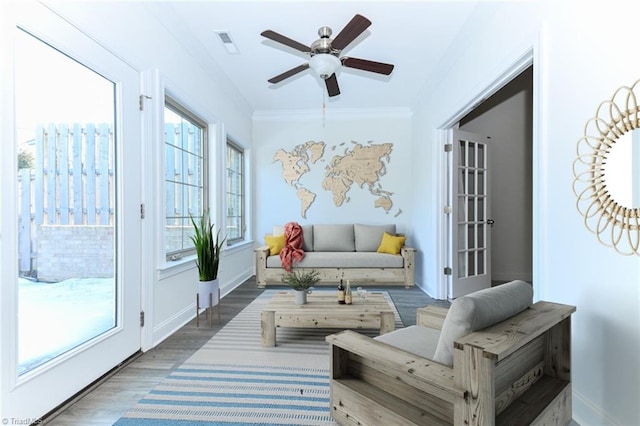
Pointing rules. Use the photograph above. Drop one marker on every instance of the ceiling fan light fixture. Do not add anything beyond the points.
(324, 54)
(324, 64)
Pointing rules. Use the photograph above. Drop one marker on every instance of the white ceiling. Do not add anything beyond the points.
(412, 35)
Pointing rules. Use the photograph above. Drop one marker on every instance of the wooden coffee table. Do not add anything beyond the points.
(323, 311)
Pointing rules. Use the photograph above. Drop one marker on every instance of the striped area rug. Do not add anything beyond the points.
(233, 380)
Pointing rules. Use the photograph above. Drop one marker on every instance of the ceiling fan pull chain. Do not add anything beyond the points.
(324, 96)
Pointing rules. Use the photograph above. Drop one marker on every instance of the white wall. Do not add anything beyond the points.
(580, 60)
(277, 203)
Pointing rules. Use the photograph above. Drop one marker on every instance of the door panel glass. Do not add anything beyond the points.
(481, 262)
(472, 208)
(481, 212)
(462, 264)
(471, 237)
(462, 242)
(481, 156)
(471, 158)
(471, 182)
(66, 185)
(462, 209)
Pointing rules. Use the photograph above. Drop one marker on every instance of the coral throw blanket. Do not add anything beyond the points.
(292, 251)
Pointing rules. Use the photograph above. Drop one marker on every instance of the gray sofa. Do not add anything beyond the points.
(343, 251)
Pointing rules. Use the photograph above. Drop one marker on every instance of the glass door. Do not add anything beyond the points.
(66, 189)
(78, 275)
(471, 208)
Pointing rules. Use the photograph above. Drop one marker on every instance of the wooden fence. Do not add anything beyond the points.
(70, 182)
(184, 162)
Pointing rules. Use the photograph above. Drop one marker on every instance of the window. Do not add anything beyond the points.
(185, 176)
(235, 193)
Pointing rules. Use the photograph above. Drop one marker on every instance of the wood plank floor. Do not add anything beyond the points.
(107, 401)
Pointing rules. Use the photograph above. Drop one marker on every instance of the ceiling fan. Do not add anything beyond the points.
(325, 54)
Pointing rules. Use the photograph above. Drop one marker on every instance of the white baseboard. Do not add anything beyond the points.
(510, 276)
(236, 281)
(422, 289)
(585, 412)
(172, 324)
(186, 314)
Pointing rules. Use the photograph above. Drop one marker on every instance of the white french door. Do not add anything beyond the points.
(77, 224)
(470, 224)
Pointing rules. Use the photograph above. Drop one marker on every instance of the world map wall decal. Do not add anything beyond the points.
(361, 164)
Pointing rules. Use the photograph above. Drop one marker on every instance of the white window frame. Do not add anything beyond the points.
(243, 192)
(180, 109)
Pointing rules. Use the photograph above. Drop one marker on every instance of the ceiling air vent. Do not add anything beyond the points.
(227, 42)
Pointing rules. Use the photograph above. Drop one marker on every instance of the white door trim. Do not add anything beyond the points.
(445, 135)
(25, 397)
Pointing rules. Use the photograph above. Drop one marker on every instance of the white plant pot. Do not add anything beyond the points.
(301, 296)
(207, 290)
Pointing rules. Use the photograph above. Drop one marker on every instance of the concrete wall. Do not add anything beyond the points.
(72, 251)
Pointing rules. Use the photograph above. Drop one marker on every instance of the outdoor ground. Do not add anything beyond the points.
(56, 317)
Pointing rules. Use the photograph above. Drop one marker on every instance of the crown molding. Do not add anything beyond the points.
(332, 114)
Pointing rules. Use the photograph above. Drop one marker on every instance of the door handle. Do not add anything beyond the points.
(490, 222)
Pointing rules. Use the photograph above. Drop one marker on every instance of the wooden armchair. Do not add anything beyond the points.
(516, 371)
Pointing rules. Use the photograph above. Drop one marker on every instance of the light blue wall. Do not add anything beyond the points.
(277, 203)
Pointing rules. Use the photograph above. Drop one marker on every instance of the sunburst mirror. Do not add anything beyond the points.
(607, 172)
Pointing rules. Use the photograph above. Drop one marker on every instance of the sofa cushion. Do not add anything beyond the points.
(479, 310)
(319, 259)
(368, 237)
(275, 243)
(307, 235)
(391, 244)
(333, 238)
(421, 341)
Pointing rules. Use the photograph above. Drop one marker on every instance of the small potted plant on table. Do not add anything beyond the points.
(300, 281)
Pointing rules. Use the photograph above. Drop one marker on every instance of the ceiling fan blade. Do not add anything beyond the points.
(366, 65)
(353, 29)
(272, 35)
(287, 74)
(332, 85)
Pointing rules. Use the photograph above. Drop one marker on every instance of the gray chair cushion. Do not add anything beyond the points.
(307, 235)
(421, 341)
(479, 310)
(333, 238)
(368, 237)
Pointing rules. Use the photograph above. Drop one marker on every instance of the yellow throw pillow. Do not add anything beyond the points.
(275, 243)
(391, 244)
